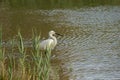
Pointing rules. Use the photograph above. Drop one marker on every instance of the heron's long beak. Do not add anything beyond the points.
(58, 34)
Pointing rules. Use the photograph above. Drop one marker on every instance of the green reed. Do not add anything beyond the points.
(1, 54)
(23, 68)
(23, 55)
(41, 59)
(37, 57)
(2, 60)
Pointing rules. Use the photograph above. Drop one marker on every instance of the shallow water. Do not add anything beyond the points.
(90, 46)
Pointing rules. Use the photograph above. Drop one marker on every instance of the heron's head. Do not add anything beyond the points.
(53, 33)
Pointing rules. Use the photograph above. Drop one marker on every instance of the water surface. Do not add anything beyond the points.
(90, 47)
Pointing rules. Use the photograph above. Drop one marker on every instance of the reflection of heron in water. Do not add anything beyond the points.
(49, 43)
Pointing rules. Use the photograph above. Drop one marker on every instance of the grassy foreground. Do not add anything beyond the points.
(25, 67)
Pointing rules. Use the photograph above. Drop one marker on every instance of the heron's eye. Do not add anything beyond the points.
(53, 34)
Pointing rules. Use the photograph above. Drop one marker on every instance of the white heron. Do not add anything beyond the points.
(50, 42)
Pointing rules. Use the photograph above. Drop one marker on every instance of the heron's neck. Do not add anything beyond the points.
(54, 38)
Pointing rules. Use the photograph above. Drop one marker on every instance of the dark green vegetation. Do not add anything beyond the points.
(53, 4)
(25, 66)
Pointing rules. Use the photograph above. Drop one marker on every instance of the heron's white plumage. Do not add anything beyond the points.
(50, 42)
(46, 44)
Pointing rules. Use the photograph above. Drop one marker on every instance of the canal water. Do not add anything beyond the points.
(90, 46)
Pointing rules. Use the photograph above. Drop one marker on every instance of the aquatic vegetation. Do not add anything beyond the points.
(33, 66)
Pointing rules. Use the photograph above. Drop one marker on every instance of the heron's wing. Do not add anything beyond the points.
(46, 44)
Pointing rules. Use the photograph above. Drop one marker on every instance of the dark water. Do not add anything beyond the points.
(90, 47)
